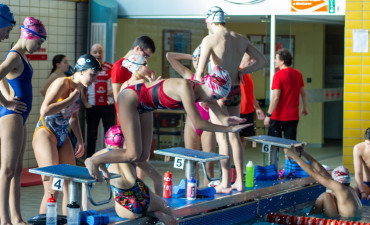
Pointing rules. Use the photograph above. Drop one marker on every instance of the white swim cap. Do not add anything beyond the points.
(215, 15)
(133, 62)
(219, 82)
(196, 52)
(341, 174)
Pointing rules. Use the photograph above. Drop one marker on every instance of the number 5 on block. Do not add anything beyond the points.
(57, 184)
(179, 163)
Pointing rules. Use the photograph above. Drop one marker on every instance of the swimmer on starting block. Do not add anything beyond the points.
(342, 200)
(226, 49)
(172, 93)
(132, 197)
(194, 137)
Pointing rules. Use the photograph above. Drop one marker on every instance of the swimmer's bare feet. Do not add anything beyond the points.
(166, 219)
(19, 223)
(239, 186)
(220, 189)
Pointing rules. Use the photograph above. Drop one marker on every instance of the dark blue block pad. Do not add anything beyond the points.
(191, 154)
(70, 172)
(275, 141)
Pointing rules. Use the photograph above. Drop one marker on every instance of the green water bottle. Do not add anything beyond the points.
(249, 176)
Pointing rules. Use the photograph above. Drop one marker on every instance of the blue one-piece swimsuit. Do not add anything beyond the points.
(22, 87)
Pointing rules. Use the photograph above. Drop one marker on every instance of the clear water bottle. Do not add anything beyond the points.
(192, 189)
(249, 176)
(73, 214)
(51, 211)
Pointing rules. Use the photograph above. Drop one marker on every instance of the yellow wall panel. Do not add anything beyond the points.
(350, 142)
(353, 60)
(366, 79)
(354, 15)
(348, 33)
(347, 150)
(366, 59)
(348, 42)
(352, 115)
(352, 106)
(352, 6)
(353, 79)
(352, 70)
(350, 96)
(352, 124)
(352, 87)
(348, 160)
(365, 123)
(365, 115)
(351, 133)
(348, 52)
(366, 70)
(365, 106)
(366, 24)
(366, 97)
(366, 87)
(366, 7)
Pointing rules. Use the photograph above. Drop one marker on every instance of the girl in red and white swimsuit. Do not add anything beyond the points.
(172, 93)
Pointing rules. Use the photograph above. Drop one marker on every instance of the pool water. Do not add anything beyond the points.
(303, 210)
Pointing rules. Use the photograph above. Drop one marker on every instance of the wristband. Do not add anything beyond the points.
(268, 114)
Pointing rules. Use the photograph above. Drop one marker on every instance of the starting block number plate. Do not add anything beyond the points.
(179, 163)
(266, 148)
(57, 184)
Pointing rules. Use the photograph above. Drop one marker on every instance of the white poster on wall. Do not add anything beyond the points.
(360, 41)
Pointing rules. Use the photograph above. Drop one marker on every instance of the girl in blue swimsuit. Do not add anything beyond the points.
(16, 107)
(59, 109)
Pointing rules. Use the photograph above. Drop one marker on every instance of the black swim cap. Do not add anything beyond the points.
(86, 62)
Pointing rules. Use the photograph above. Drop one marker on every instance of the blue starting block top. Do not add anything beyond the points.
(70, 172)
(275, 141)
(191, 154)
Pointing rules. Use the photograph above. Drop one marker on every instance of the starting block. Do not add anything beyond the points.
(76, 176)
(192, 157)
(271, 146)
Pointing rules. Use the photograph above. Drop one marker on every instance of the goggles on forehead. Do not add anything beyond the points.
(210, 12)
(144, 64)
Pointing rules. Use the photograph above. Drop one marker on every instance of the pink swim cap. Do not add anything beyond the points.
(219, 82)
(114, 136)
(33, 29)
(341, 174)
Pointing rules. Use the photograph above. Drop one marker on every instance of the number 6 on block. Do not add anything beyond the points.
(57, 184)
(179, 163)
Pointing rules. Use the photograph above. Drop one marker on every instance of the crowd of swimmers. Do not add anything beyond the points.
(211, 101)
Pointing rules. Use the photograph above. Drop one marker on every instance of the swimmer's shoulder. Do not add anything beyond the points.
(360, 147)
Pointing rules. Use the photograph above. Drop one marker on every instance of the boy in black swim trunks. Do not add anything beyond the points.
(361, 162)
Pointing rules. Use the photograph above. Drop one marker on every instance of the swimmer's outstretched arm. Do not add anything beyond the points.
(323, 180)
(174, 59)
(316, 165)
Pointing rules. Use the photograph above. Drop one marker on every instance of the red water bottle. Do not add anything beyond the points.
(233, 174)
(167, 185)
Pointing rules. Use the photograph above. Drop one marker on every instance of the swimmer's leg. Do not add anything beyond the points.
(15, 186)
(12, 141)
(161, 210)
(224, 149)
(208, 145)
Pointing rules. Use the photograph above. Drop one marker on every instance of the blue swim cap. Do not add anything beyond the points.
(6, 17)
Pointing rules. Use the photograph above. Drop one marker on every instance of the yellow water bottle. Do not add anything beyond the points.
(249, 176)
